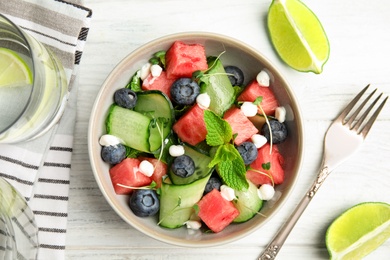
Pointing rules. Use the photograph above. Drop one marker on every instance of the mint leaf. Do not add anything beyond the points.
(224, 153)
(230, 166)
(233, 174)
(219, 131)
(228, 161)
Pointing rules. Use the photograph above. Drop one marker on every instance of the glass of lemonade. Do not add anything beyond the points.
(18, 230)
(33, 85)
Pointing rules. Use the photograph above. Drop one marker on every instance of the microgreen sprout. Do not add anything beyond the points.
(257, 102)
(151, 186)
(164, 121)
(263, 173)
(197, 75)
(250, 209)
(266, 166)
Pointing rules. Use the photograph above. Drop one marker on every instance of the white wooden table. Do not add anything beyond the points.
(359, 34)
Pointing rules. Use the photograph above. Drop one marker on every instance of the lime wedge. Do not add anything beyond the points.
(298, 36)
(358, 231)
(13, 69)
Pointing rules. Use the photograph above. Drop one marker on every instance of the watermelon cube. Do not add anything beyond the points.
(160, 169)
(191, 127)
(215, 211)
(184, 59)
(275, 160)
(240, 124)
(161, 83)
(253, 91)
(126, 173)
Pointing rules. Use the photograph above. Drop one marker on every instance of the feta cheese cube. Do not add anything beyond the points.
(109, 140)
(156, 70)
(249, 109)
(203, 100)
(145, 71)
(176, 150)
(259, 140)
(263, 78)
(266, 192)
(280, 114)
(227, 193)
(146, 168)
(193, 224)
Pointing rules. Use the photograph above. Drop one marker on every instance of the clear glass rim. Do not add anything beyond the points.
(3, 18)
(9, 213)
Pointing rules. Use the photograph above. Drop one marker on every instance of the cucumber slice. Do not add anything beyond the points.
(132, 127)
(157, 106)
(248, 203)
(201, 161)
(217, 85)
(177, 201)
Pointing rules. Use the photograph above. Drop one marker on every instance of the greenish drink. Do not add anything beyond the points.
(33, 85)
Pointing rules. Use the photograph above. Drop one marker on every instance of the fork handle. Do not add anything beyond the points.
(276, 244)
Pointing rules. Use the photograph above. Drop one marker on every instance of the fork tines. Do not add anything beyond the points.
(355, 117)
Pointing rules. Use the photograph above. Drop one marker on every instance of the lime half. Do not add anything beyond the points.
(359, 230)
(297, 35)
(14, 71)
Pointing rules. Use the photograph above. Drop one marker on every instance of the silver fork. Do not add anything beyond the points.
(343, 138)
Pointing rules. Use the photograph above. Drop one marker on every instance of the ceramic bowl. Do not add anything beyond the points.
(251, 62)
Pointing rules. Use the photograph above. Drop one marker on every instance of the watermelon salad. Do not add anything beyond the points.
(190, 143)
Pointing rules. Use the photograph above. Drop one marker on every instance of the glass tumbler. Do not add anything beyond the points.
(18, 230)
(33, 85)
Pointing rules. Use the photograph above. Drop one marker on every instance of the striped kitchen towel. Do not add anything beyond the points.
(40, 169)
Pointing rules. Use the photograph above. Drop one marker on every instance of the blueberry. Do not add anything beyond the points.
(213, 183)
(236, 77)
(183, 166)
(125, 97)
(113, 154)
(279, 131)
(248, 152)
(184, 91)
(144, 203)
